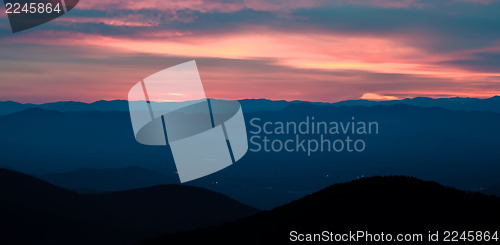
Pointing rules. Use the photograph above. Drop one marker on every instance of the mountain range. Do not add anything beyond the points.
(36, 212)
(392, 205)
(95, 151)
(259, 105)
(88, 180)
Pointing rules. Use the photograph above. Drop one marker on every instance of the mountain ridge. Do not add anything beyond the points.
(106, 180)
(391, 204)
(257, 105)
(430, 143)
(36, 211)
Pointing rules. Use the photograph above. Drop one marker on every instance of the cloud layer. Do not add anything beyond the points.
(308, 50)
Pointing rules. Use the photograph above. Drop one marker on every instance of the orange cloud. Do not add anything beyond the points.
(373, 96)
(259, 60)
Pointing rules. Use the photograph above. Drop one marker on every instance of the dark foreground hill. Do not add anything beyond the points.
(492, 190)
(35, 212)
(377, 204)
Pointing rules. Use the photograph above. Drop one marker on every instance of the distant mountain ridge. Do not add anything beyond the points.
(7, 107)
(89, 179)
(260, 105)
(429, 143)
(33, 211)
(455, 103)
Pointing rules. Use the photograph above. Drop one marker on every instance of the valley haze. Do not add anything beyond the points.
(452, 141)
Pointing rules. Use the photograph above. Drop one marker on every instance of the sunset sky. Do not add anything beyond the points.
(317, 50)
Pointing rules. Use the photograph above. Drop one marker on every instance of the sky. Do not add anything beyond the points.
(317, 50)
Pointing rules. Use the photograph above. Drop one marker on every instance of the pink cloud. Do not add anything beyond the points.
(260, 61)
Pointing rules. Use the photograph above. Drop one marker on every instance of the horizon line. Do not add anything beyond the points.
(360, 99)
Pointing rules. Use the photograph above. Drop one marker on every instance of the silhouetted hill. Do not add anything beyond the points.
(172, 207)
(8, 107)
(24, 190)
(492, 190)
(119, 179)
(261, 105)
(376, 204)
(101, 105)
(36, 212)
(456, 103)
(35, 114)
